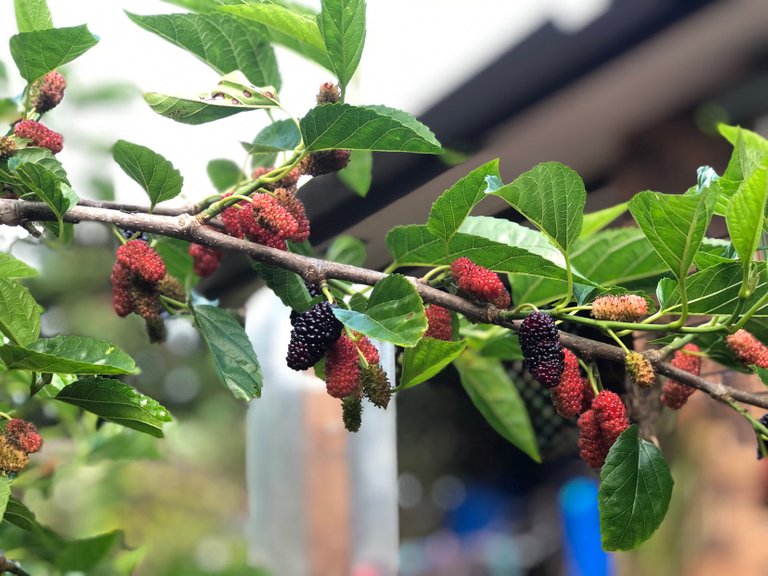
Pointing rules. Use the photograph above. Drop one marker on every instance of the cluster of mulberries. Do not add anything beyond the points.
(205, 260)
(439, 322)
(18, 440)
(624, 308)
(675, 394)
(640, 369)
(480, 283)
(600, 426)
(314, 331)
(138, 280)
(342, 365)
(540, 342)
(46, 93)
(40, 135)
(748, 349)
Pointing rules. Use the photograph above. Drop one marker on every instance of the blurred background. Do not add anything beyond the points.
(628, 93)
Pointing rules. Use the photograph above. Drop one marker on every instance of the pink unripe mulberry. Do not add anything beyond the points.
(40, 135)
(47, 92)
(748, 349)
(479, 282)
(675, 394)
(625, 308)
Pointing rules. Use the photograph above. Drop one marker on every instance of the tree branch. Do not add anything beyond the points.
(187, 227)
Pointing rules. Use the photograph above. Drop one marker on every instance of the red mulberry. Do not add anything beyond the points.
(295, 208)
(141, 259)
(206, 259)
(40, 135)
(480, 283)
(748, 349)
(342, 372)
(592, 447)
(600, 427)
(568, 395)
(625, 308)
(439, 322)
(274, 217)
(47, 92)
(675, 394)
(23, 435)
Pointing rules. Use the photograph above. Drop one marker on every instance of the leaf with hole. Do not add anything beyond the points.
(117, 402)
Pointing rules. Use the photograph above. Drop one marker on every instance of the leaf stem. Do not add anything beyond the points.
(435, 271)
(623, 346)
(751, 312)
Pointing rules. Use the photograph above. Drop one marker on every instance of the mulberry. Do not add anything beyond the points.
(295, 208)
(600, 426)
(568, 395)
(342, 372)
(325, 162)
(375, 385)
(230, 217)
(23, 435)
(274, 217)
(352, 412)
(47, 92)
(313, 332)
(329, 93)
(625, 308)
(439, 322)
(640, 369)
(480, 283)
(122, 280)
(156, 331)
(540, 342)
(7, 147)
(12, 459)
(748, 349)
(206, 260)
(40, 135)
(675, 394)
(141, 259)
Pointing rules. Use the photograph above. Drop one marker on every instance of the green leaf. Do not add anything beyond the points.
(512, 234)
(342, 26)
(617, 256)
(346, 250)
(455, 204)
(504, 347)
(37, 53)
(395, 313)
(224, 174)
(222, 41)
(762, 373)
(428, 358)
(715, 290)
(156, 175)
(85, 554)
(5, 494)
(287, 285)
(674, 224)
(68, 355)
(112, 442)
(280, 136)
(32, 15)
(19, 515)
(295, 30)
(178, 261)
(190, 110)
(635, 489)
(41, 156)
(416, 246)
(11, 267)
(749, 151)
(358, 175)
(117, 402)
(38, 180)
(19, 313)
(745, 215)
(552, 197)
(494, 395)
(596, 221)
(236, 362)
(376, 128)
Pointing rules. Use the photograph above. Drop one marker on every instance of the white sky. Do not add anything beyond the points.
(415, 52)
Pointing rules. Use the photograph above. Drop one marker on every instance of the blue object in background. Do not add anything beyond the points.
(584, 556)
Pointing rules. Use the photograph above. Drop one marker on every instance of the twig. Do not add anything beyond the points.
(314, 270)
(11, 567)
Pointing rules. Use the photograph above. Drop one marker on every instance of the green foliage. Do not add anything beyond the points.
(376, 128)
(346, 250)
(32, 15)
(635, 489)
(427, 359)
(745, 214)
(394, 313)
(117, 402)
(38, 52)
(236, 362)
(224, 174)
(596, 221)
(279, 136)
(5, 494)
(223, 42)
(287, 285)
(357, 175)
(11, 267)
(156, 175)
(19, 313)
(342, 26)
(492, 392)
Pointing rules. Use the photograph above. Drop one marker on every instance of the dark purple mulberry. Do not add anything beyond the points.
(313, 332)
(540, 342)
